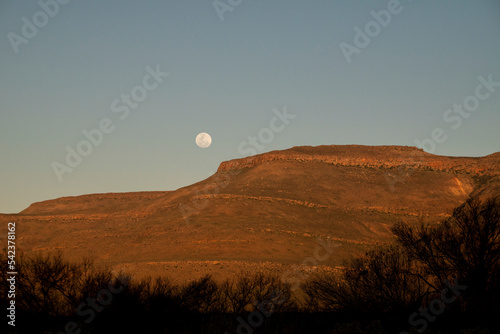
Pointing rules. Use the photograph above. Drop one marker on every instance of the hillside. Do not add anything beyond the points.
(266, 211)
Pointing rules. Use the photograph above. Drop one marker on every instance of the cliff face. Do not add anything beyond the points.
(387, 157)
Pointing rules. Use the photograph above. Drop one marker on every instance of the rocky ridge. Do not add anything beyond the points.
(387, 157)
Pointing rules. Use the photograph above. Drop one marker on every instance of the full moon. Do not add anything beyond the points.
(203, 140)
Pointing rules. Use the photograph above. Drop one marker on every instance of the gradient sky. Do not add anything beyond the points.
(226, 77)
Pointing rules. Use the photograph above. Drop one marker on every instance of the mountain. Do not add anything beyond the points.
(270, 211)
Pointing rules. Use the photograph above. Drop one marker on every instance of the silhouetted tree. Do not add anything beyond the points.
(465, 246)
(382, 280)
(49, 284)
(245, 290)
(202, 295)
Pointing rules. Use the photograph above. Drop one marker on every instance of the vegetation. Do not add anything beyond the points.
(446, 274)
(441, 278)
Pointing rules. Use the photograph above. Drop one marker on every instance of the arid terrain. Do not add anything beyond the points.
(266, 212)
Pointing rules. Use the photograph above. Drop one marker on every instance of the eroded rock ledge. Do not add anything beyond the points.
(372, 156)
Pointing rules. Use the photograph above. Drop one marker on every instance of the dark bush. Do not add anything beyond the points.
(382, 280)
(464, 247)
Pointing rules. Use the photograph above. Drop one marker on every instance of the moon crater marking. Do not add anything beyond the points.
(203, 140)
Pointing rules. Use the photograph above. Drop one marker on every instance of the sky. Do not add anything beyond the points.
(126, 86)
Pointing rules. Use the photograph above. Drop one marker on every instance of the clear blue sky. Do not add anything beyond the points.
(225, 78)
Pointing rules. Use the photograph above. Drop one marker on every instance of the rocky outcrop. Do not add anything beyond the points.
(258, 198)
(387, 157)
